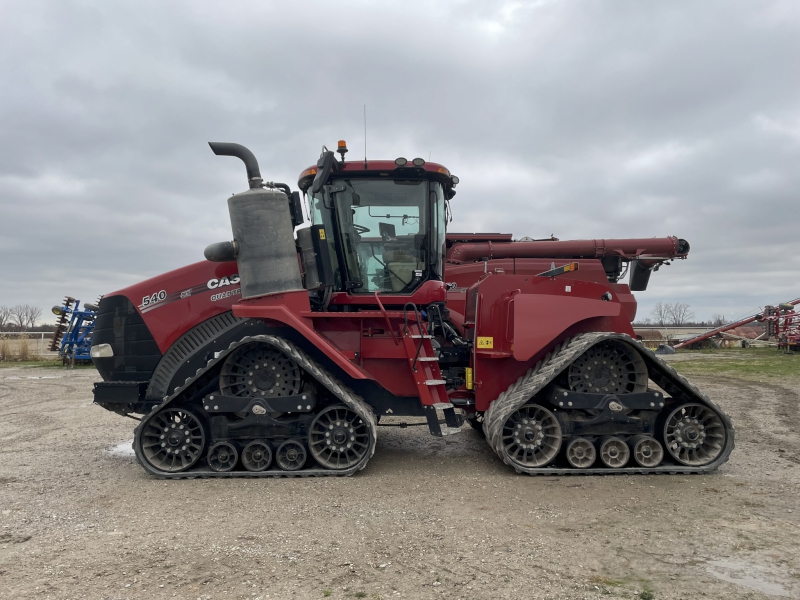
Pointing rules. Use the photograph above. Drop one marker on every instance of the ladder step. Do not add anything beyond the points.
(435, 382)
(450, 430)
(443, 405)
(417, 336)
(427, 359)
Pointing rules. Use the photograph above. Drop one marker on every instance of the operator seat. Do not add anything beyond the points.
(402, 258)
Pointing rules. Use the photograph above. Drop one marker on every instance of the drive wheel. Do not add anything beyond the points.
(581, 453)
(694, 435)
(338, 438)
(531, 436)
(173, 440)
(608, 368)
(260, 371)
(291, 455)
(222, 457)
(256, 456)
(614, 453)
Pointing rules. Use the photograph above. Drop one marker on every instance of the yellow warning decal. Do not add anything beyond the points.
(322, 234)
(485, 342)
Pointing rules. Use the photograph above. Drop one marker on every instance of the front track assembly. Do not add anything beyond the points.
(523, 428)
(174, 441)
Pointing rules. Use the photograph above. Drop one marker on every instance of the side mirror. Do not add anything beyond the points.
(325, 164)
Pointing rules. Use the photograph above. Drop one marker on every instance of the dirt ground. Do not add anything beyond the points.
(427, 518)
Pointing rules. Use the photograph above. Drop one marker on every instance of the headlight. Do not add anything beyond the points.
(102, 351)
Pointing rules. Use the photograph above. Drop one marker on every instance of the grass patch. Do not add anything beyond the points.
(44, 362)
(600, 580)
(758, 364)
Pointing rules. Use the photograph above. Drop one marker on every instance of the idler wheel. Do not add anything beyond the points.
(647, 451)
(338, 438)
(694, 435)
(222, 457)
(260, 371)
(256, 456)
(608, 368)
(291, 455)
(614, 452)
(581, 453)
(531, 436)
(173, 440)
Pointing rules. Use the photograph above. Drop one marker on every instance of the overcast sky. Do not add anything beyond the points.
(580, 119)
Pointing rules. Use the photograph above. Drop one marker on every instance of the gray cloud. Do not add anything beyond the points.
(623, 119)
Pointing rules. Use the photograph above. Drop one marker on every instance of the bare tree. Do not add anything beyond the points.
(718, 320)
(661, 314)
(18, 316)
(32, 314)
(679, 313)
(5, 316)
(24, 316)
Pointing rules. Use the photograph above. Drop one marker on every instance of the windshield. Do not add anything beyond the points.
(383, 227)
(384, 231)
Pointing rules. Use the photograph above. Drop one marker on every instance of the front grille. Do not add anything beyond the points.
(136, 353)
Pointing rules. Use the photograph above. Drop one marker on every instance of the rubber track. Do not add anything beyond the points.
(310, 366)
(662, 374)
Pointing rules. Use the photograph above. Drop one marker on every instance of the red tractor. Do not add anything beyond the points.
(280, 353)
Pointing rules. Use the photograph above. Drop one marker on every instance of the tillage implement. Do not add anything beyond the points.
(280, 353)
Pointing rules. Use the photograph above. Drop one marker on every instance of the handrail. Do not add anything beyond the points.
(386, 317)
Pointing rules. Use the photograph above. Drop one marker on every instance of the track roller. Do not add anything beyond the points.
(581, 453)
(291, 455)
(256, 456)
(614, 453)
(646, 451)
(222, 457)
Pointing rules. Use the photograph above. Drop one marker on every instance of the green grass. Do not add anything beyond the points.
(759, 364)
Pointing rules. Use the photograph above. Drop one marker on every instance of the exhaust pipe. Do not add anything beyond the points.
(242, 153)
(263, 233)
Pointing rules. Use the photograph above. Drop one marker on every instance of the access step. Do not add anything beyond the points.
(452, 423)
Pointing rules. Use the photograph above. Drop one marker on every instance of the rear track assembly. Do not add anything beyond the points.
(498, 428)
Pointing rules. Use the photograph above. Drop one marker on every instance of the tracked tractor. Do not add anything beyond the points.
(281, 352)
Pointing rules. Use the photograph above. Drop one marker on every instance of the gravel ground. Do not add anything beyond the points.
(427, 518)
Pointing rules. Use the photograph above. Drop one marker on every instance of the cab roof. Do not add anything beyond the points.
(380, 168)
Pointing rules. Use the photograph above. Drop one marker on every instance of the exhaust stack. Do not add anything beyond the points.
(263, 233)
(244, 154)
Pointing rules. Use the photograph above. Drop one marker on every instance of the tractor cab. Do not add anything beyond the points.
(382, 223)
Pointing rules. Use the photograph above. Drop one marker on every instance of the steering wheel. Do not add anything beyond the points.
(360, 229)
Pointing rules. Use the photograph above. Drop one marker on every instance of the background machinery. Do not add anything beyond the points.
(279, 354)
(72, 338)
(782, 326)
